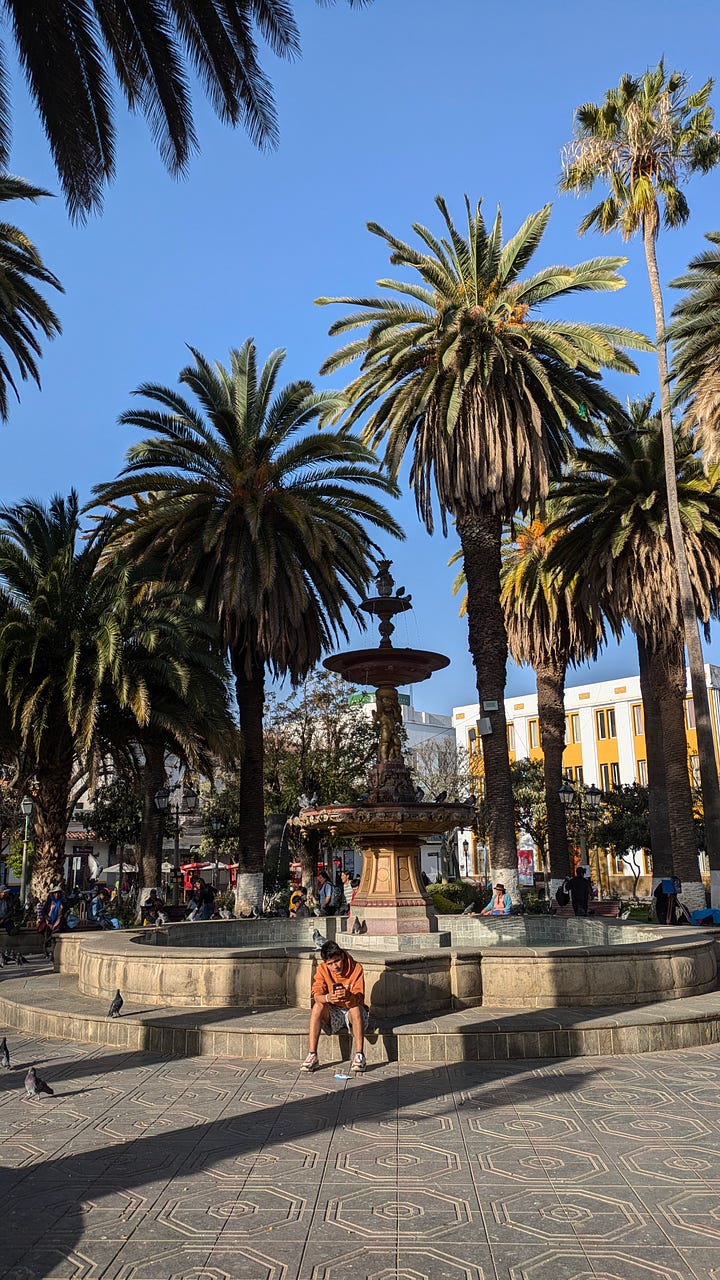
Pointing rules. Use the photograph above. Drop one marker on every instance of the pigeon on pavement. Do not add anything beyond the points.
(4, 1053)
(116, 1006)
(34, 1084)
(318, 940)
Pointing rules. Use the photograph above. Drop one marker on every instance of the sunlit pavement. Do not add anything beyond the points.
(148, 1168)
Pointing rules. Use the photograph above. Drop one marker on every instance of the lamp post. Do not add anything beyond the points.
(465, 849)
(588, 800)
(215, 825)
(26, 805)
(162, 802)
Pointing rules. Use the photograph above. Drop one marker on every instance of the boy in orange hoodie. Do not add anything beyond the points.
(338, 993)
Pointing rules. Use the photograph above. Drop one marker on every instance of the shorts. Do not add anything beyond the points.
(340, 1021)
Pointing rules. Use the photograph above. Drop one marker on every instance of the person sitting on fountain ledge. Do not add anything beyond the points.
(500, 904)
(338, 993)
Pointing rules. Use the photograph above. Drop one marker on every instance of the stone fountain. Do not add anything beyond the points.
(390, 822)
(486, 971)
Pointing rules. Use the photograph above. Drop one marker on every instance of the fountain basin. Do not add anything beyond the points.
(253, 965)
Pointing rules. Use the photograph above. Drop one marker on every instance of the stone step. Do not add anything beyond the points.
(38, 1001)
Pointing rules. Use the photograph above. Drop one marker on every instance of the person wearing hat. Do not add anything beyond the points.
(500, 904)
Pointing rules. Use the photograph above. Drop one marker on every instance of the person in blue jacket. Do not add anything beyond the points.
(500, 904)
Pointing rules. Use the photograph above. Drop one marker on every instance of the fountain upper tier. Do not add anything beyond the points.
(386, 665)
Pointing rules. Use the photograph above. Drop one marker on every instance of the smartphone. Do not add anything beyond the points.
(337, 987)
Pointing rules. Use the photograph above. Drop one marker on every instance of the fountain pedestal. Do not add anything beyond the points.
(390, 899)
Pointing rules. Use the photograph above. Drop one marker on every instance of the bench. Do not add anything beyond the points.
(609, 907)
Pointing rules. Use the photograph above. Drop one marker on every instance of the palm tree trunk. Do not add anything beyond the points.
(152, 778)
(250, 693)
(706, 745)
(550, 677)
(50, 813)
(667, 672)
(658, 815)
(480, 537)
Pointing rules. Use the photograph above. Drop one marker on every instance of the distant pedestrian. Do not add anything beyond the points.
(299, 909)
(580, 892)
(325, 893)
(348, 890)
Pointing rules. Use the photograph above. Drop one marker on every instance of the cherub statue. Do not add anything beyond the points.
(388, 717)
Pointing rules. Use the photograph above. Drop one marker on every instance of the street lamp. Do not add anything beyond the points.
(162, 802)
(26, 805)
(465, 849)
(591, 797)
(215, 824)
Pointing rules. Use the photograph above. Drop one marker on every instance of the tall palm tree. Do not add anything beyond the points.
(60, 638)
(264, 521)
(695, 338)
(551, 625)
(614, 513)
(76, 55)
(648, 136)
(461, 371)
(24, 313)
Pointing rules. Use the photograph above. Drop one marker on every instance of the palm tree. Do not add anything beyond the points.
(24, 313)
(76, 56)
(693, 332)
(647, 137)
(550, 625)
(171, 653)
(262, 521)
(60, 637)
(614, 516)
(462, 372)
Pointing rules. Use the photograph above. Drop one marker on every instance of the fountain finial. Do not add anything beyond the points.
(385, 605)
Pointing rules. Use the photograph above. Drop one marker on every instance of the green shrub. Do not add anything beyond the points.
(444, 906)
(461, 892)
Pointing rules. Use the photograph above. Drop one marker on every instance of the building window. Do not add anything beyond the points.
(579, 774)
(572, 728)
(642, 773)
(605, 721)
(511, 737)
(638, 719)
(690, 713)
(609, 776)
(695, 770)
(534, 733)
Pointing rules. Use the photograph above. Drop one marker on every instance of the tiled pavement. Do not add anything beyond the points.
(144, 1167)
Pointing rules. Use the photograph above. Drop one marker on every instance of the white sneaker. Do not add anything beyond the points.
(358, 1063)
(311, 1063)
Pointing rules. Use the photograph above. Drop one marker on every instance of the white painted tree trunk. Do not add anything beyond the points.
(693, 895)
(249, 892)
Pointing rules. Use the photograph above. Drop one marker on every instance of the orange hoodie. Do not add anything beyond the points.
(353, 983)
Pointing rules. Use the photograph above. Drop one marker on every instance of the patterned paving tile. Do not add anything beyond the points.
(148, 1168)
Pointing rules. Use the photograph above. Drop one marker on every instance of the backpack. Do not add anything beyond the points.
(562, 897)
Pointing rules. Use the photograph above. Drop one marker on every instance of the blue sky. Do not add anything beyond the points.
(387, 107)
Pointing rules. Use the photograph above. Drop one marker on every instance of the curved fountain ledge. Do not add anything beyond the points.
(521, 963)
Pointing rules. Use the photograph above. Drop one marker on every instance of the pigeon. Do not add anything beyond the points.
(441, 797)
(35, 1085)
(419, 793)
(318, 940)
(116, 1006)
(3, 960)
(4, 1054)
(357, 927)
